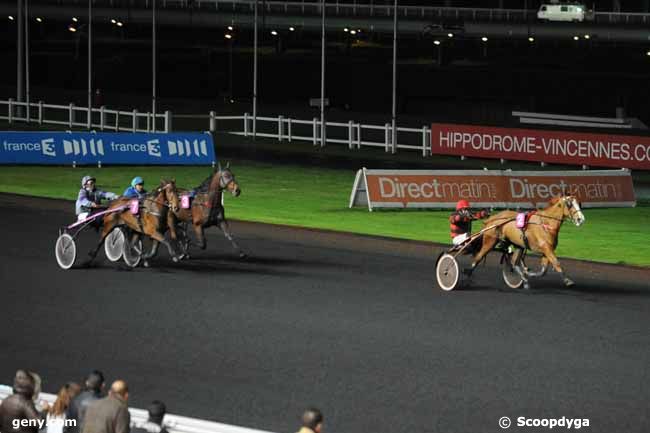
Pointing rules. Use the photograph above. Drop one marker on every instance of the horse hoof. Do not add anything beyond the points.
(175, 259)
(569, 283)
(243, 256)
(526, 285)
(186, 257)
(145, 264)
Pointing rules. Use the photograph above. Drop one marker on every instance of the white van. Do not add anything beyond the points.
(562, 12)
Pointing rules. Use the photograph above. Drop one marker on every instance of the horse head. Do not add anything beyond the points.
(226, 180)
(168, 189)
(571, 209)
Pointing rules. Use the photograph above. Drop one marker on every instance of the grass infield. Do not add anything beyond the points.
(318, 198)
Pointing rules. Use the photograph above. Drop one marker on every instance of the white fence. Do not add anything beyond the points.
(174, 423)
(354, 135)
(73, 116)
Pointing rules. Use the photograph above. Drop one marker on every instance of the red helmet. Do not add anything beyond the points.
(462, 204)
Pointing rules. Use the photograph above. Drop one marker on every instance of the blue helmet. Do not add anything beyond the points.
(137, 181)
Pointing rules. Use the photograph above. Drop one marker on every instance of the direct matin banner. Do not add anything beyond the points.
(83, 148)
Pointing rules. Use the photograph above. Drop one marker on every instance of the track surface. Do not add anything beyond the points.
(350, 324)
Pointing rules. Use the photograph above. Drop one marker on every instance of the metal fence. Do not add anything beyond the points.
(73, 116)
(352, 134)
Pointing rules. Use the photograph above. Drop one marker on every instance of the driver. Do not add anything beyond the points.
(90, 197)
(136, 190)
(460, 221)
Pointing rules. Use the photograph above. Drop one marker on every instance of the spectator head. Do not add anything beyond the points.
(63, 398)
(157, 411)
(312, 418)
(24, 384)
(120, 389)
(95, 381)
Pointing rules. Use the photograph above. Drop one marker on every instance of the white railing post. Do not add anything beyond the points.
(117, 120)
(71, 115)
(168, 121)
(10, 115)
(279, 128)
(424, 141)
(245, 124)
(135, 120)
(148, 122)
(350, 135)
(40, 112)
(28, 116)
(90, 118)
(102, 119)
(386, 136)
(213, 121)
(289, 127)
(358, 136)
(315, 131)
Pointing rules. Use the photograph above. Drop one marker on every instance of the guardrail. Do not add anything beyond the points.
(343, 8)
(354, 135)
(73, 116)
(174, 423)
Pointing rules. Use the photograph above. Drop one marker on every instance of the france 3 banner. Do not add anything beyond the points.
(82, 148)
(489, 188)
(561, 147)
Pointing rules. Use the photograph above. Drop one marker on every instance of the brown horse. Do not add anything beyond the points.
(539, 235)
(206, 210)
(151, 219)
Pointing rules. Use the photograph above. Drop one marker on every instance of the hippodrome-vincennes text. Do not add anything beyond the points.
(551, 146)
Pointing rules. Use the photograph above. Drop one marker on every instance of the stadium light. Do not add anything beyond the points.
(11, 18)
(436, 42)
(113, 21)
(450, 35)
(353, 32)
(74, 19)
(346, 30)
(587, 36)
(358, 30)
(291, 29)
(531, 39)
(39, 19)
(647, 53)
(484, 39)
(119, 24)
(230, 28)
(274, 33)
(72, 29)
(228, 36)
(576, 38)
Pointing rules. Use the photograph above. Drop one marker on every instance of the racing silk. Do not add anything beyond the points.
(86, 198)
(131, 192)
(460, 221)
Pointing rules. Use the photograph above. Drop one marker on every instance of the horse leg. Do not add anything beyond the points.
(549, 254)
(158, 237)
(488, 243)
(543, 269)
(200, 236)
(225, 228)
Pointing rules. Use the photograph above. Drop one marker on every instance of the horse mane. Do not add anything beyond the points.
(205, 185)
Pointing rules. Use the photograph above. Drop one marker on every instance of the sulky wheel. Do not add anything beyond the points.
(133, 251)
(510, 275)
(65, 251)
(114, 244)
(448, 273)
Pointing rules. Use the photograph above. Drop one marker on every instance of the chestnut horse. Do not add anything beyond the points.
(151, 219)
(539, 235)
(206, 210)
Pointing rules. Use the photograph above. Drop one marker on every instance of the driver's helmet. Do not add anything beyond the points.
(462, 204)
(85, 179)
(137, 181)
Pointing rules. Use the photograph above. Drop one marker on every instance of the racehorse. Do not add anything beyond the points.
(151, 219)
(207, 210)
(540, 235)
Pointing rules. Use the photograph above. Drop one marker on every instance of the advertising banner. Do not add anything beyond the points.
(489, 188)
(560, 147)
(83, 148)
